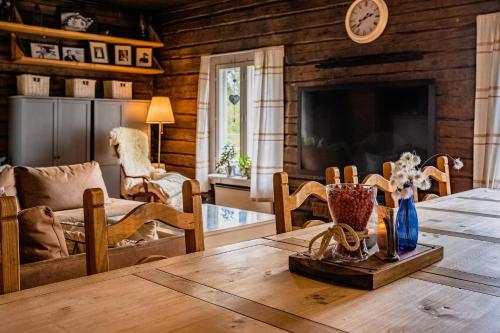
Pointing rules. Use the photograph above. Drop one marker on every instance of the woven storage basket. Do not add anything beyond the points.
(80, 88)
(33, 85)
(118, 89)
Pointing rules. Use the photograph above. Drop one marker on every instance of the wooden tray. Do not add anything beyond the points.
(370, 274)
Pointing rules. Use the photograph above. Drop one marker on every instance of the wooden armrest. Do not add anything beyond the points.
(159, 166)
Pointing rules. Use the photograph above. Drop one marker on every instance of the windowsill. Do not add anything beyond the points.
(218, 178)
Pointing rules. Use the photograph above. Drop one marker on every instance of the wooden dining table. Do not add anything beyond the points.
(247, 287)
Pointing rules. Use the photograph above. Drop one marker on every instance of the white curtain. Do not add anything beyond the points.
(267, 153)
(487, 110)
(202, 124)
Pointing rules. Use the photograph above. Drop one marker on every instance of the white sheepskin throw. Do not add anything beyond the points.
(133, 150)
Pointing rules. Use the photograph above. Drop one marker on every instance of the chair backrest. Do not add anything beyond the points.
(132, 148)
(441, 174)
(332, 175)
(351, 174)
(284, 202)
(98, 235)
(9, 246)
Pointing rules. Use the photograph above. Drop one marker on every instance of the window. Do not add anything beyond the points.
(232, 105)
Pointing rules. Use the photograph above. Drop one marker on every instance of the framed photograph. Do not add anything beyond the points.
(144, 57)
(76, 54)
(99, 52)
(123, 55)
(44, 51)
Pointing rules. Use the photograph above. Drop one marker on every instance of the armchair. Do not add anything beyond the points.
(139, 176)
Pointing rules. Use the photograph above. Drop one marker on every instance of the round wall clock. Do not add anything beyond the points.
(366, 20)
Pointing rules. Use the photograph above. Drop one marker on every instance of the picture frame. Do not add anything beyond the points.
(44, 51)
(123, 55)
(99, 52)
(75, 54)
(144, 57)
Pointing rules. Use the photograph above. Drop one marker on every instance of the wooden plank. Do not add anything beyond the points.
(128, 303)
(92, 279)
(260, 273)
(459, 234)
(245, 307)
(457, 283)
(58, 33)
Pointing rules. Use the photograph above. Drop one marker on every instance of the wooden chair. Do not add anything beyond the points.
(441, 174)
(10, 279)
(98, 235)
(381, 182)
(284, 203)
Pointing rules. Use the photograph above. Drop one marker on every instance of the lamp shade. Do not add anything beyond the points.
(160, 111)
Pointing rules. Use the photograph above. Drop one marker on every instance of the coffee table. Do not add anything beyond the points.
(225, 225)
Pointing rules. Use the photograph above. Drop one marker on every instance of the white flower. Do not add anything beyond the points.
(416, 160)
(399, 165)
(406, 156)
(458, 164)
(393, 182)
(401, 177)
(425, 184)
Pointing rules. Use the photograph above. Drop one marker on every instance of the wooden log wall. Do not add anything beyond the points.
(117, 21)
(313, 31)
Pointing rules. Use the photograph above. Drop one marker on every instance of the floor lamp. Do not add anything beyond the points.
(160, 112)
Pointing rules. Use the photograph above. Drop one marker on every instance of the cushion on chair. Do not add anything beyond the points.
(169, 189)
(40, 235)
(133, 150)
(60, 187)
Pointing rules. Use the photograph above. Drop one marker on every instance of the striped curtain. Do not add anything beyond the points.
(487, 109)
(267, 152)
(202, 124)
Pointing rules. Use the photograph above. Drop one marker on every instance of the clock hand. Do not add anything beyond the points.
(364, 18)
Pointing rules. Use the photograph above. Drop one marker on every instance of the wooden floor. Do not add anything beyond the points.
(246, 287)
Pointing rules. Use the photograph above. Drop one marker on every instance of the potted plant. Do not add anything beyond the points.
(226, 159)
(245, 163)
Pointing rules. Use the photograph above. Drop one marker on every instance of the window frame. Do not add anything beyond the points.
(241, 60)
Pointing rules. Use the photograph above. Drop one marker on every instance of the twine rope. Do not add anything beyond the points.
(338, 233)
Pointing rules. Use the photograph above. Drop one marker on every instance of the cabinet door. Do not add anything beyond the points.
(135, 114)
(111, 176)
(73, 131)
(35, 144)
(107, 115)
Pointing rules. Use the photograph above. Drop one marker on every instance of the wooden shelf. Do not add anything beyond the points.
(87, 66)
(58, 33)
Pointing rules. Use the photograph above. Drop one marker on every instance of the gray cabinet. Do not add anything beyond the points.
(48, 131)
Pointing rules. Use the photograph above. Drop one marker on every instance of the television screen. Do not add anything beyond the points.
(364, 125)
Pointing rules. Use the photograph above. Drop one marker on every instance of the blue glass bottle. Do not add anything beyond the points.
(407, 220)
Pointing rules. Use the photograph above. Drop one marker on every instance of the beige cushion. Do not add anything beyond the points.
(58, 187)
(40, 236)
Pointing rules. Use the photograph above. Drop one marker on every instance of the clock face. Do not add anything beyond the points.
(366, 20)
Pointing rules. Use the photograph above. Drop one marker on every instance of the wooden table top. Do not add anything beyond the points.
(246, 287)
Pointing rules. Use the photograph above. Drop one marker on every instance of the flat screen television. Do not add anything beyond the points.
(364, 124)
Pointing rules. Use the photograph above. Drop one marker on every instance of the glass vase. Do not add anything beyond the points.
(407, 221)
(351, 204)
